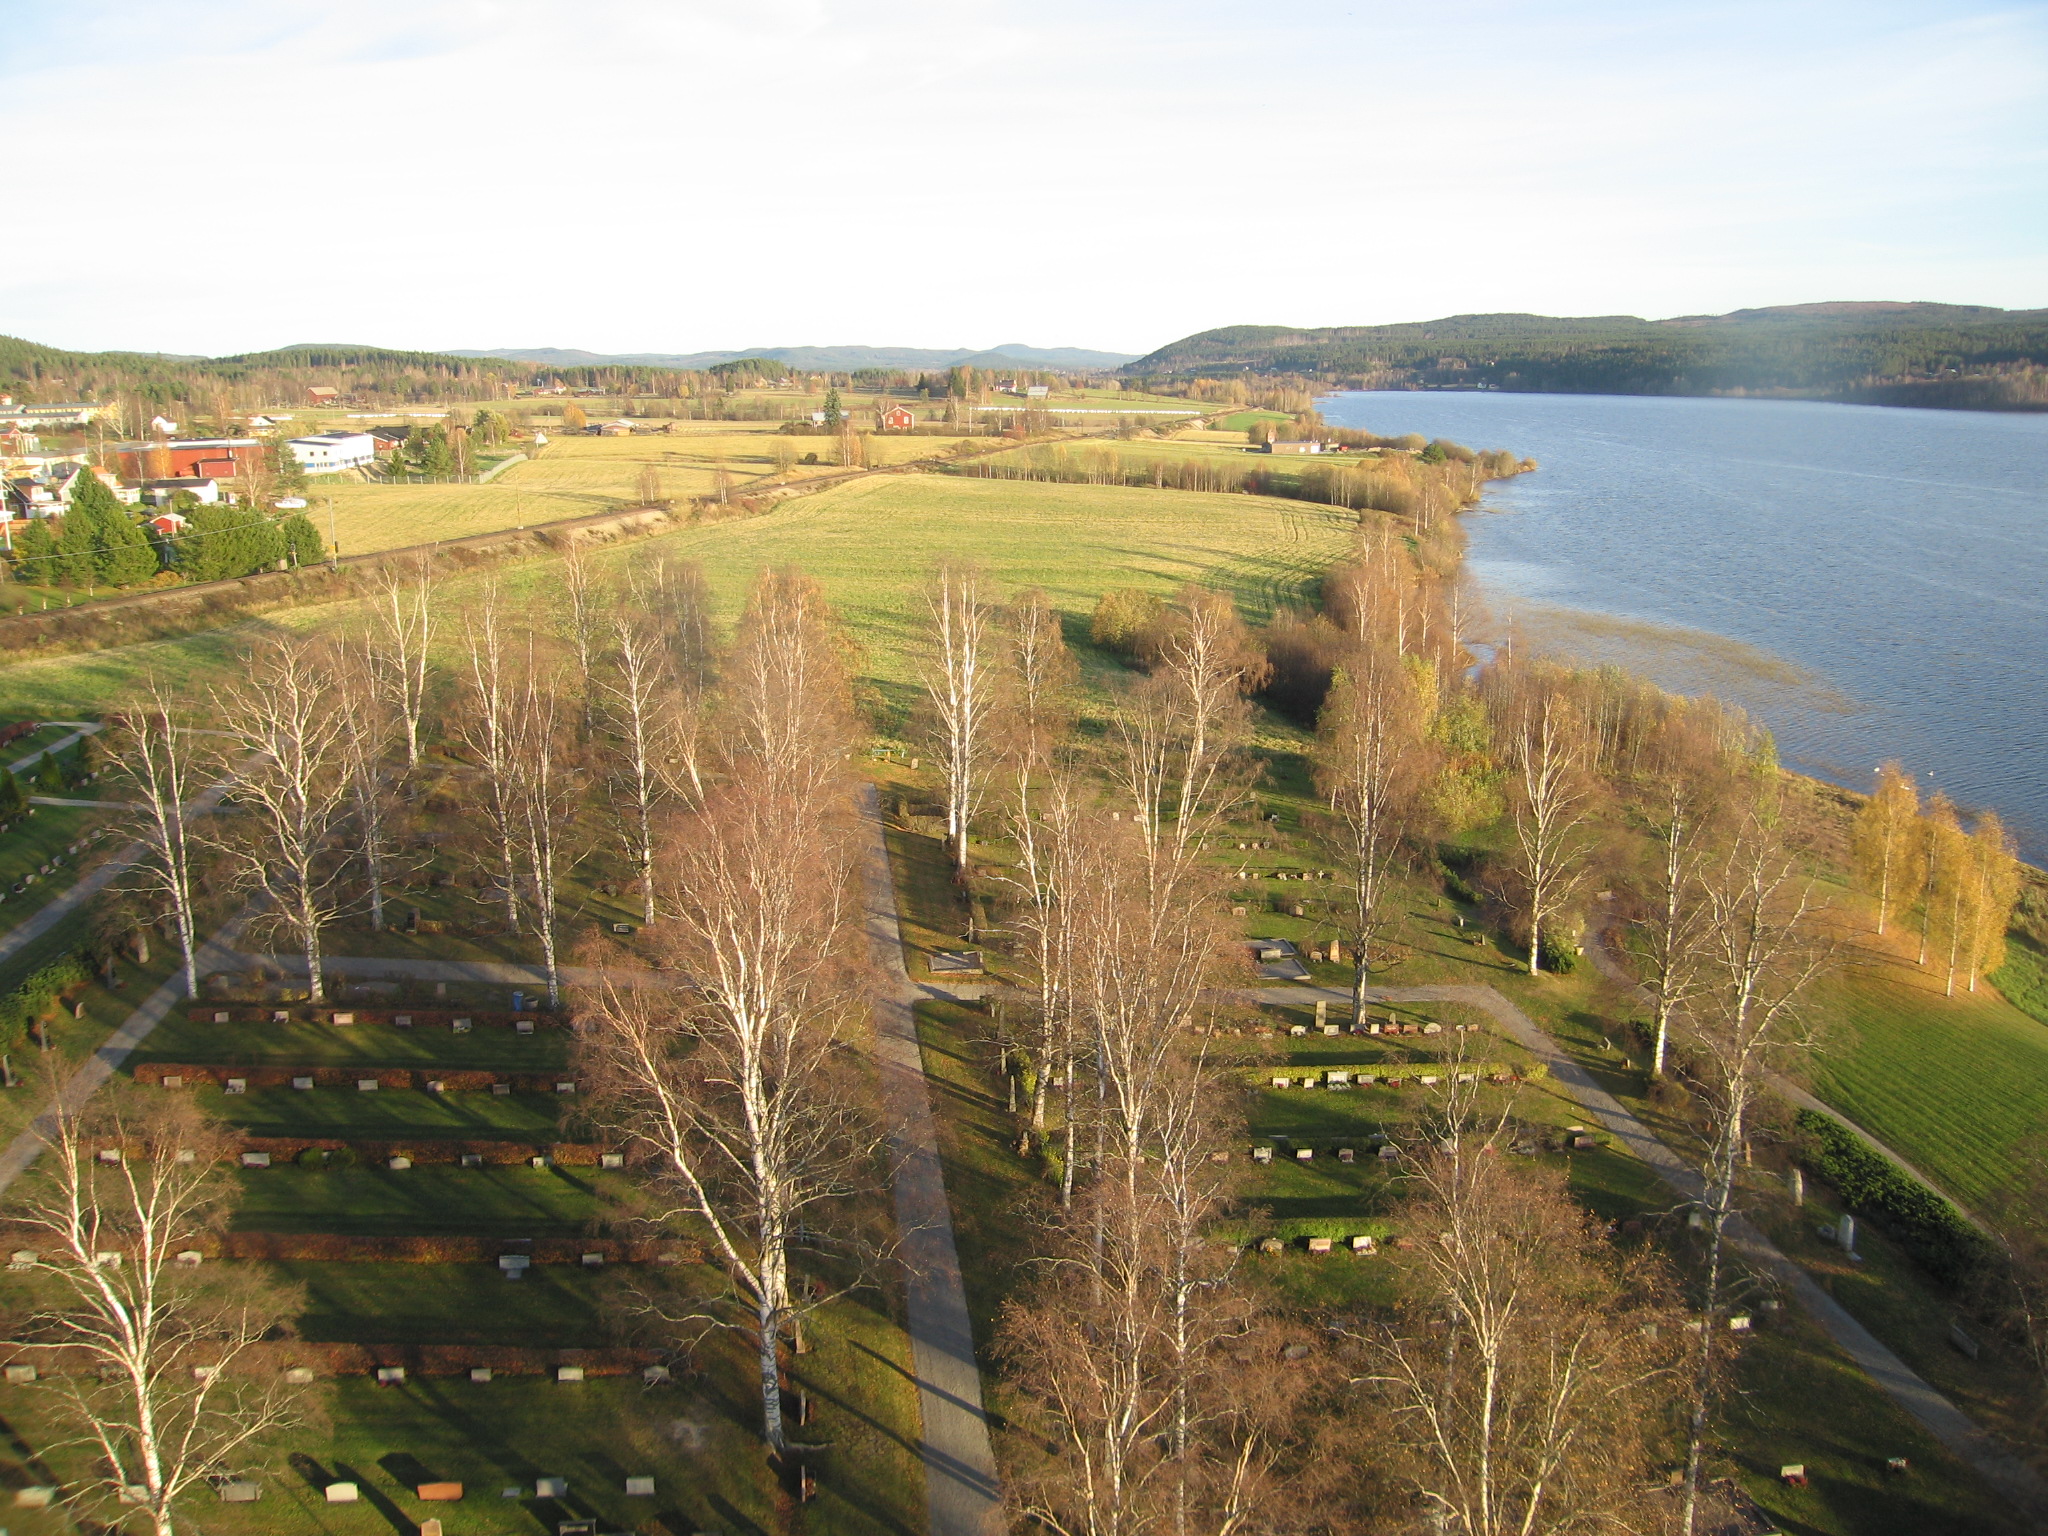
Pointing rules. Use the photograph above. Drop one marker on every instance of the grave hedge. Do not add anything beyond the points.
(1923, 1223)
(37, 994)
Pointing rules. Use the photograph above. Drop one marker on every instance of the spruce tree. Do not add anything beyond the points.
(35, 554)
(302, 542)
(13, 798)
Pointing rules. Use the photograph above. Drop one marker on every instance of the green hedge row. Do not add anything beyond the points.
(1925, 1225)
(38, 994)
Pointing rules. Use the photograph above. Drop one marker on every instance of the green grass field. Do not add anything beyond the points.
(390, 1114)
(424, 1200)
(180, 1038)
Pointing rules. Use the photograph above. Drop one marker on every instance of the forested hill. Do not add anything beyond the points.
(1965, 356)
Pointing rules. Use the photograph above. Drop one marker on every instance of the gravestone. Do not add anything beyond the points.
(1271, 1245)
(523, 1026)
(460, 1026)
(343, 1493)
(593, 1261)
(1298, 1029)
(568, 1373)
(1795, 1183)
(611, 1160)
(431, 1526)
(240, 1492)
(390, 1375)
(279, 1016)
(1304, 1154)
(1428, 1082)
(299, 1376)
(1262, 1154)
(1739, 1323)
(435, 1085)
(1845, 1233)
(110, 1154)
(501, 1089)
(1363, 1242)
(1963, 1343)
(439, 1493)
(190, 1258)
(1388, 1154)
(20, 1375)
(1283, 1082)
(1322, 1011)
(22, 1258)
(472, 1159)
(238, 1085)
(1330, 1029)
(220, 1018)
(255, 1159)
(367, 1085)
(536, 1161)
(639, 1487)
(403, 1021)
(35, 1497)
(479, 1373)
(344, 1018)
(1319, 1245)
(1346, 1155)
(1432, 1028)
(303, 1084)
(565, 1087)
(174, 1081)
(653, 1375)
(513, 1263)
(550, 1487)
(398, 1164)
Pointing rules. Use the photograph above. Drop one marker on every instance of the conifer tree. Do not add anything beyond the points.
(35, 554)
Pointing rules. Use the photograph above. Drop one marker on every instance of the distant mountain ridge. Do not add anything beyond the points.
(1885, 352)
(839, 359)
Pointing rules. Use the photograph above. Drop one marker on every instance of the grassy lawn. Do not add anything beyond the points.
(425, 1200)
(389, 1114)
(180, 1038)
(553, 1306)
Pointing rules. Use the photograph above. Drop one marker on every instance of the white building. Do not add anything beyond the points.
(327, 453)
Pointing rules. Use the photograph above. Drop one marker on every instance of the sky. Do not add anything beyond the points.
(216, 176)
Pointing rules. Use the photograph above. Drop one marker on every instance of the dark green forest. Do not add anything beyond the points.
(1902, 354)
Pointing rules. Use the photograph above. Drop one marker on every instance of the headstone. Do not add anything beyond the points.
(511, 1263)
(1428, 1082)
(653, 1375)
(22, 1258)
(240, 1492)
(439, 1493)
(255, 1159)
(299, 1376)
(1739, 1323)
(1322, 1011)
(1796, 1184)
(1330, 1029)
(479, 1373)
(191, 1258)
(366, 1085)
(1304, 1154)
(1271, 1245)
(523, 1026)
(303, 1084)
(1845, 1233)
(390, 1375)
(472, 1159)
(1432, 1028)
(435, 1085)
(565, 1087)
(1794, 1474)
(1298, 1029)
(1333, 1079)
(431, 1526)
(550, 1487)
(1319, 1245)
(344, 1018)
(174, 1081)
(611, 1160)
(1363, 1242)
(205, 1373)
(536, 1161)
(568, 1373)
(1262, 1154)
(460, 1026)
(1283, 1082)
(1581, 1143)
(279, 1016)
(403, 1021)
(39, 1496)
(1346, 1155)
(20, 1375)
(398, 1164)
(238, 1085)
(220, 1018)
(1961, 1340)
(440, 989)
(639, 1487)
(110, 1154)
(593, 1261)
(501, 1089)
(343, 1493)
(1388, 1154)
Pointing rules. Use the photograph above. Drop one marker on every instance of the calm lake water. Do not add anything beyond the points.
(1871, 583)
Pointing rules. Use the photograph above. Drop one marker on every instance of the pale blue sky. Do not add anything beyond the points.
(222, 175)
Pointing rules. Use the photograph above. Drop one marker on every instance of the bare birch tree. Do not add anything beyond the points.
(961, 669)
(156, 1363)
(546, 799)
(167, 772)
(370, 729)
(489, 733)
(1369, 763)
(291, 793)
(402, 608)
(1551, 813)
(1766, 945)
(1519, 1382)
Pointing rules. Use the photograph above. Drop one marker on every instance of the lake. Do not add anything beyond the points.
(1871, 583)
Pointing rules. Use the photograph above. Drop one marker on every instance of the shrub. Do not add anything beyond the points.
(38, 993)
(312, 1157)
(1560, 953)
(1923, 1223)
(1121, 618)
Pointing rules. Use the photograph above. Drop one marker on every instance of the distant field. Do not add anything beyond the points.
(871, 543)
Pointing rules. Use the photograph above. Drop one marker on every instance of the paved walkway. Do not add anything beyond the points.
(1947, 1423)
(107, 1060)
(960, 1468)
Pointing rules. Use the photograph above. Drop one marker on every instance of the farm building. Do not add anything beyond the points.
(204, 458)
(898, 418)
(328, 453)
(614, 429)
(72, 413)
(1302, 447)
(322, 394)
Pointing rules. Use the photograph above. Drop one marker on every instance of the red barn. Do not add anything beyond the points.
(897, 418)
(210, 458)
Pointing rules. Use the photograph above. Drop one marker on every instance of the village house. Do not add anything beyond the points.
(1309, 446)
(158, 493)
(166, 524)
(329, 453)
(897, 418)
(614, 429)
(322, 394)
(389, 439)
